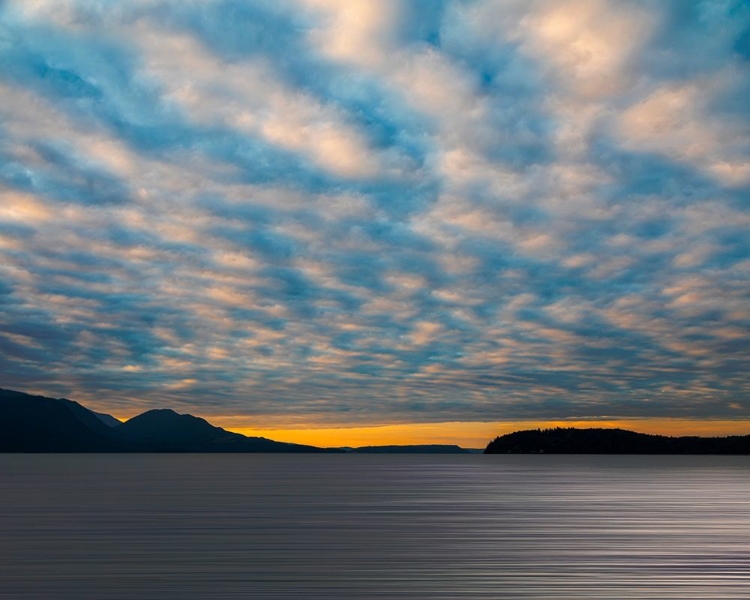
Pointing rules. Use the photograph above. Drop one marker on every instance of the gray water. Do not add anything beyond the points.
(362, 526)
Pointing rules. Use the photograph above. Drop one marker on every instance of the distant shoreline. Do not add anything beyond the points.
(37, 424)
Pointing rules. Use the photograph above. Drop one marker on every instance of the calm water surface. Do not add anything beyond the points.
(357, 526)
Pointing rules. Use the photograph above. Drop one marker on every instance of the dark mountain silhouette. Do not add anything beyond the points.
(165, 426)
(612, 441)
(107, 419)
(38, 424)
(413, 449)
(164, 430)
(88, 417)
(31, 423)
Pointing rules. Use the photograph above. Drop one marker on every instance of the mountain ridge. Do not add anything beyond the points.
(30, 423)
(166, 430)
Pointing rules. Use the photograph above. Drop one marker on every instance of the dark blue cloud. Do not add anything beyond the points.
(243, 209)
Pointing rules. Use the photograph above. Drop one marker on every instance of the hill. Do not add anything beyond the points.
(31, 423)
(612, 441)
(37, 424)
(164, 430)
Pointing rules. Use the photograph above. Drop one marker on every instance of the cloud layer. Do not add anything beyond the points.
(363, 212)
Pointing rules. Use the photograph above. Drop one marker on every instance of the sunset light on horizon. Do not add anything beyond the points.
(477, 434)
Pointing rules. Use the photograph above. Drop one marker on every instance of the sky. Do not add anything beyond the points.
(391, 221)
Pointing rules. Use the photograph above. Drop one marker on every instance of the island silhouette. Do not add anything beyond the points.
(570, 440)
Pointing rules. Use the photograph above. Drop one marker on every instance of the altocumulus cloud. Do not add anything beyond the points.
(378, 211)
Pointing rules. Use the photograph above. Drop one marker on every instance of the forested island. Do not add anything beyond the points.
(612, 441)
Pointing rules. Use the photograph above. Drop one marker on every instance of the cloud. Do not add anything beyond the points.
(324, 212)
(246, 97)
(674, 121)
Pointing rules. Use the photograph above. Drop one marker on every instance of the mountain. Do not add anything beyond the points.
(88, 417)
(164, 430)
(611, 441)
(37, 424)
(31, 423)
(107, 419)
(413, 449)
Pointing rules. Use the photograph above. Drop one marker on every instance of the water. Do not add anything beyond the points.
(362, 526)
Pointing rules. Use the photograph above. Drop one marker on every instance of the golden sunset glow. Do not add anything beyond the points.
(477, 435)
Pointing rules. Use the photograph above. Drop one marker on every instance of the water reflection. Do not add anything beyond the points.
(395, 526)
